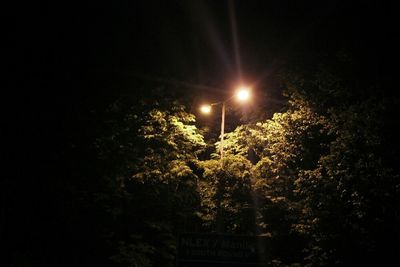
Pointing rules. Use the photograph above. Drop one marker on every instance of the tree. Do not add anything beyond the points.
(160, 185)
(138, 189)
(348, 194)
(226, 197)
(324, 181)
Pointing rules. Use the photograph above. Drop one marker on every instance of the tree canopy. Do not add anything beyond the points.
(315, 175)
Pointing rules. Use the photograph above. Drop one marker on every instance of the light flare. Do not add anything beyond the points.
(243, 94)
(206, 109)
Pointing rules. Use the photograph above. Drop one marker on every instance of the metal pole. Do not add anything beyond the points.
(219, 186)
(222, 133)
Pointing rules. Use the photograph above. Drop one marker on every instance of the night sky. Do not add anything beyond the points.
(65, 59)
(95, 48)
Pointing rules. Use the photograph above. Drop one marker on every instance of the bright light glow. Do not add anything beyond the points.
(205, 109)
(243, 94)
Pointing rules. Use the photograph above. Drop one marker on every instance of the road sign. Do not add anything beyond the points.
(208, 250)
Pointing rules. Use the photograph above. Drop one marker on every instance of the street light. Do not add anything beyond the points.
(242, 94)
(205, 109)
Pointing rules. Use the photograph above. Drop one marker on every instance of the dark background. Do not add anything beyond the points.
(64, 59)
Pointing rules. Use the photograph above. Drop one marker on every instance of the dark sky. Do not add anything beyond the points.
(194, 41)
(64, 58)
(96, 45)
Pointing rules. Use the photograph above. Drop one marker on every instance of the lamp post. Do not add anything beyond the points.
(242, 94)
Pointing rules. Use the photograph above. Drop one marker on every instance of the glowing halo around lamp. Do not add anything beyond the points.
(205, 109)
(243, 94)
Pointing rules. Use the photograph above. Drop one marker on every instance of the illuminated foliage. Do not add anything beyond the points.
(320, 175)
(225, 193)
(151, 154)
(170, 144)
(322, 179)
